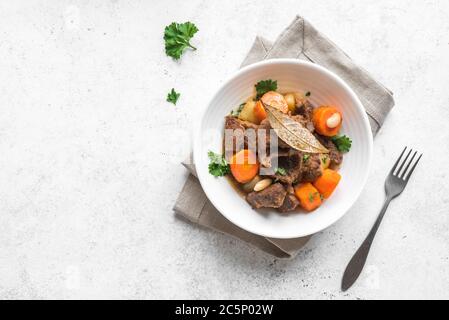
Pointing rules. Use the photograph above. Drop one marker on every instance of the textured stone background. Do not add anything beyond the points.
(89, 151)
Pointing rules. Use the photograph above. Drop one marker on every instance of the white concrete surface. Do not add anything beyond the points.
(89, 151)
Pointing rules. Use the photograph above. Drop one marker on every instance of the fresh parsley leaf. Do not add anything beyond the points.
(236, 113)
(177, 37)
(343, 143)
(308, 93)
(173, 96)
(305, 157)
(218, 166)
(281, 171)
(312, 196)
(324, 159)
(264, 86)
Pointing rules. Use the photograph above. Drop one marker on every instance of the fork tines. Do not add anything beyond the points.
(406, 173)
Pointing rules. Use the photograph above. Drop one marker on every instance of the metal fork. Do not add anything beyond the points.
(394, 185)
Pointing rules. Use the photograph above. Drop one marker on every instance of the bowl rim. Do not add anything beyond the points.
(238, 73)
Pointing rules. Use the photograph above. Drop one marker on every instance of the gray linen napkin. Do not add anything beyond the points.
(299, 40)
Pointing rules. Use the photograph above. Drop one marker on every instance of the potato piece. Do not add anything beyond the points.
(290, 98)
(247, 113)
(325, 160)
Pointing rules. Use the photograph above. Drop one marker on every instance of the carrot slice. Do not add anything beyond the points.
(244, 166)
(276, 100)
(259, 111)
(308, 196)
(327, 183)
(320, 119)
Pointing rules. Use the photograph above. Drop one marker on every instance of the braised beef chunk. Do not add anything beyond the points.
(335, 156)
(265, 124)
(305, 121)
(264, 127)
(291, 162)
(290, 203)
(271, 197)
(241, 126)
(282, 144)
(311, 167)
(248, 125)
(242, 132)
(268, 159)
(305, 109)
(300, 167)
(303, 112)
(232, 123)
(290, 189)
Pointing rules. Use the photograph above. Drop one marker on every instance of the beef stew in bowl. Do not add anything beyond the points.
(280, 151)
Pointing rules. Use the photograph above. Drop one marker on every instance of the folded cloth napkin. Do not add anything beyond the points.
(301, 41)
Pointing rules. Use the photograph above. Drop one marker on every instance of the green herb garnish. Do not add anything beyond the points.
(264, 86)
(305, 157)
(324, 158)
(312, 196)
(281, 171)
(177, 37)
(343, 143)
(173, 96)
(236, 113)
(218, 166)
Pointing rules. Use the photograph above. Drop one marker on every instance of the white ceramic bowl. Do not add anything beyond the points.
(326, 89)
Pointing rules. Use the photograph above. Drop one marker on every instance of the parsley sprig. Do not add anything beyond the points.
(173, 96)
(218, 166)
(264, 86)
(281, 171)
(177, 38)
(343, 143)
(313, 195)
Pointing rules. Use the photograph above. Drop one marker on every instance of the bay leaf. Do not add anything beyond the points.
(293, 133)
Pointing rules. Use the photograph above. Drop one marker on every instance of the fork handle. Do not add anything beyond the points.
(355, 266)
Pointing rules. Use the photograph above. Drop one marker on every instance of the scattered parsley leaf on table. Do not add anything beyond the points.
(177, 37)
(264, 86)
(218, 165)
(173, 96)
(343, 143)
